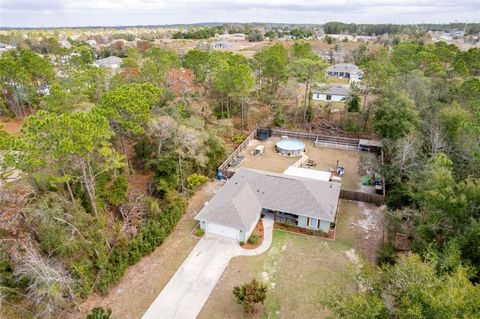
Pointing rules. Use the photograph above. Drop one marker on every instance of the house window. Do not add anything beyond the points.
(313, 222)
(329, 97)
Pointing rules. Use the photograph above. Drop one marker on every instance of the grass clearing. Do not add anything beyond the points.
(299, 269)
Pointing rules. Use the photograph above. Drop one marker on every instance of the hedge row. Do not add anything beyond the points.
(152, 235)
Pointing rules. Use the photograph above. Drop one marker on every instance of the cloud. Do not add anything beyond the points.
(125, 12)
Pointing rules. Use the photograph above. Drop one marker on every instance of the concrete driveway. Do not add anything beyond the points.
(187, 291)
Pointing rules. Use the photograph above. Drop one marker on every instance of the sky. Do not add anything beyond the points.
(61, 13)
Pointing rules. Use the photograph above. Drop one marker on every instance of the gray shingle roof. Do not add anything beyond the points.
(240, 200)
(108, 61)
(334, 90)
(343, 67)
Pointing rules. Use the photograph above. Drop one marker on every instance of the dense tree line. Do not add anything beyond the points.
(379, 29)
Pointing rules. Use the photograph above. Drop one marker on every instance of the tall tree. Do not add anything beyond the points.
(308, 71)
(272, 65)
(128, 109)
(72, 146)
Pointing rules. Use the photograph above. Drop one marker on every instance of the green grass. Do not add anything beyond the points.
(300, 270)
(331, 105)
(338, 81)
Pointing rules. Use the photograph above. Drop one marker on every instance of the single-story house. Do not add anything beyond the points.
(331, 93)
(346, 71)
(222, 45)
(111, 62)
(304, 202)
(5, 47)
(65, 44)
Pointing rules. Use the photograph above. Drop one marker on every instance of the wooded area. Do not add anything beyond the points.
(79, 217)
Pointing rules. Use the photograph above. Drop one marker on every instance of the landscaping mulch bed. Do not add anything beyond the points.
(258, 231)
(299, 230)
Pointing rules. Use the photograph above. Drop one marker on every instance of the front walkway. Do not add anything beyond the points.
(188, 290)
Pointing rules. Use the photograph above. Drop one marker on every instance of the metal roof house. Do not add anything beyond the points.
(304, 202)
(346, 71)
(111, 62)
(331, 93)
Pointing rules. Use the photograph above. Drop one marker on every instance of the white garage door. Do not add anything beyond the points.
(222, 230)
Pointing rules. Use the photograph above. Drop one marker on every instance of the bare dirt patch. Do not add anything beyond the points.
(146, 279)
(360, 226)
(12, 126)
(324, 158)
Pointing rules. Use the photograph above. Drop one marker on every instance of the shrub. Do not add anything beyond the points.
(156, 228)
(278, 119)
(99, 313)
(117, 193)
(242, 243)
(200, 232)
(237, 139)
(195, 180)
(386, 255)
(249, 294)
(253, 239)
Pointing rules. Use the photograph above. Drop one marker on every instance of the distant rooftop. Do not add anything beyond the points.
(334, 90)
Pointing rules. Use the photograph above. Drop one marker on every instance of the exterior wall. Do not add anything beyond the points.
(220, 230)
(323, 97)
(244, 236)
(324, 224)
(302, 221)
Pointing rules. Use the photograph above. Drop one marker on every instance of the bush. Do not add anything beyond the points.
(200, 232)
(117, 193)
(242, 243)
(278, 119)
(99, 313)
(253, 239)
(386, 255)
(238, 139)
(195, 180)
(152, 234)
(250, 293)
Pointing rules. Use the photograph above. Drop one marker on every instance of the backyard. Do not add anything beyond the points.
(299, 269)
(325, 159)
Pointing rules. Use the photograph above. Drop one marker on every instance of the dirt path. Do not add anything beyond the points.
(143, 281)
(12, 126)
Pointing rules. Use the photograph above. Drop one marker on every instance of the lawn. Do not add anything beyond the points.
(331, 105)
(299, 269)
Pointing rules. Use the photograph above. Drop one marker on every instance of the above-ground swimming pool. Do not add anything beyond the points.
(290, 147)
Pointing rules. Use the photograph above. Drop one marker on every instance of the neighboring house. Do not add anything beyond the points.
(345, 71)
(304, 202)
(65, 44)
(111, 62)
(341, 37)
(91, 42)
(222, 45)
(331, 93)
(5, 47)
